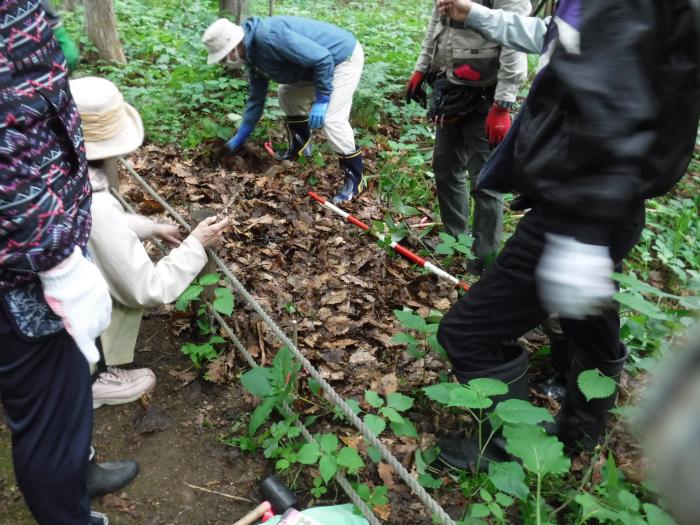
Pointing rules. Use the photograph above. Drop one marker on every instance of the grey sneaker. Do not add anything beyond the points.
(117, 386)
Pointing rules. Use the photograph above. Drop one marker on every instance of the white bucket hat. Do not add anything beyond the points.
(111, 127)
(221, 38)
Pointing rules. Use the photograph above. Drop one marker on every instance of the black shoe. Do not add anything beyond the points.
(103, 478)
(581, 424)
(464, 453)
(299, 137)
(97, 518)
(562, 350)
(353, 167)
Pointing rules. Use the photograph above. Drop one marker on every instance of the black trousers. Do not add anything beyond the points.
(505, 304)
(46, 393)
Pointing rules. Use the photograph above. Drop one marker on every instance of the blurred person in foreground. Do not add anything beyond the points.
(53, 300)
(611, 120)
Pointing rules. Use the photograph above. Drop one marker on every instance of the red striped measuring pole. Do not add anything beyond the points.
(397, 247)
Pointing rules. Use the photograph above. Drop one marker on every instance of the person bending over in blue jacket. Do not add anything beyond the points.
(315, 63)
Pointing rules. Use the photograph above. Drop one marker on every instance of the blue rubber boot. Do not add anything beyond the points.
(354, 183)
(299, 137)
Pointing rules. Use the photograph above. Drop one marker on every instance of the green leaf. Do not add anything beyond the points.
(591, 508)
(191, 293)
(487, 387)
(375, 423)
(637, 302)
(404, 428)
(436, 347)
(208, 279)
(429, 482)
(261, 413)
(402, 338)
(595, 385)
(509, 477)
(374, 399)
(374, 454)
(399, 402)
(516, 411)
(282, 464)
(224, 301)
(504, 500)
(328, 467)
(485, 495)
(350, 459)
(628, 500)
(391, 414)
(442, 392)
(541, 454)
(308, 454)
(354, 406)
(465, 397)
(411, 320)
(257, 381)
(328, 442)
(656, 516)
(479, 510)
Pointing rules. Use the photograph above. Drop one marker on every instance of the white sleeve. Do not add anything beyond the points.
(522, 33)
(134, 280)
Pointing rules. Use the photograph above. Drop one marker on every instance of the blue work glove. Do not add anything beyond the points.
(239, 138)
(317, 116)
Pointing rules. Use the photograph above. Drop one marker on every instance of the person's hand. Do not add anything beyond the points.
(168, 233)
(239, 138)
(455, 9)
(414, 90)
(573, 278)
(317, 115)
(77, 293)
(209, 232)
(498, 123)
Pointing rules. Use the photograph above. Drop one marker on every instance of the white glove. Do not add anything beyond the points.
(574, 279)
(76, 291)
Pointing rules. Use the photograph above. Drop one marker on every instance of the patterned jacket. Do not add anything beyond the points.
(44, 188)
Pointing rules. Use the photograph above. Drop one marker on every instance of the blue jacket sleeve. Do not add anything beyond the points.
(297, 49)
(257, 94)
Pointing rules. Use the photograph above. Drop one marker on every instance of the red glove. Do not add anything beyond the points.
(497, 124)
(415, 89)
(467, 73)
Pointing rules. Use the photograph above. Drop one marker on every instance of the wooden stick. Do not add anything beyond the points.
(237, 498)
(255, 514)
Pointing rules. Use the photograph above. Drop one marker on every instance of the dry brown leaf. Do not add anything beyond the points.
(388, 384)
(338, 325)
(335, 297)
(340, 343)
(263, 219)
(185, 377)
(150, 207)
(386, 473)
(362, 357)
(383, 511)
(119, 503)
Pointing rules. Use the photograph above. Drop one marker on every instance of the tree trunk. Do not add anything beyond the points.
(101, 27)
(237, 8)
(71, 5)
(272, 8)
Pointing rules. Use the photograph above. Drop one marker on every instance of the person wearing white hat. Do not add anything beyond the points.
(316, 64)
(112, 128)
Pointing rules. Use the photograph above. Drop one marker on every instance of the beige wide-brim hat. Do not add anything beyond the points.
(111, 127)
(221, 38)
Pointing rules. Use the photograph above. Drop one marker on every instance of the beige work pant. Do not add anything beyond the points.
(295, 100)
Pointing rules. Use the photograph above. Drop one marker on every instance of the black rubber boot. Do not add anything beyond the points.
(580, 424)
(299, 137)
(562, 350)
(464, 454)
(103, 478)
(352, 166)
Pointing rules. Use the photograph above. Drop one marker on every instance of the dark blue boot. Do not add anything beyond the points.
(354, 183)
(299, 137)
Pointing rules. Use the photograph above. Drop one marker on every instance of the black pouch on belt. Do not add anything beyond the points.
(450, 102)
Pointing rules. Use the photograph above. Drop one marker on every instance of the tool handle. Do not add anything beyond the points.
(255, 514)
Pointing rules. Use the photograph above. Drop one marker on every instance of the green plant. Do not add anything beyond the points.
(426, 330)
(223, 303)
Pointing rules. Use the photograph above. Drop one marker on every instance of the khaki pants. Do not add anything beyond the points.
(295, 99)
(119, 339)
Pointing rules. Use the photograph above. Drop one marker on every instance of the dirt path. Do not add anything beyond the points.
(175, 441)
